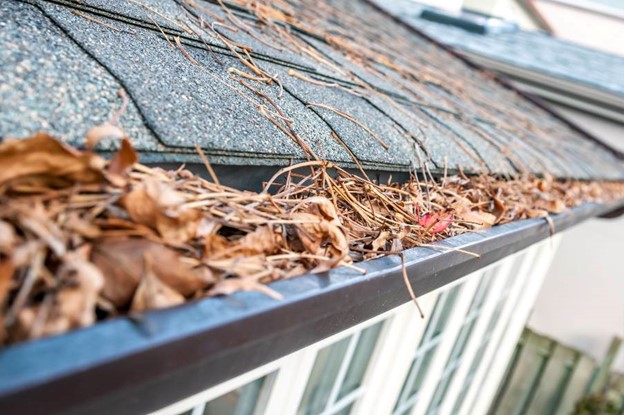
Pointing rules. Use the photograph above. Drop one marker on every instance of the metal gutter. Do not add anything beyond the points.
(136, 365)
(589, 99)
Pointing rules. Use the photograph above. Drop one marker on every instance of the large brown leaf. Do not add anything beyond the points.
(121, 261)
(159, 206)
(152, 293)
(44, 158)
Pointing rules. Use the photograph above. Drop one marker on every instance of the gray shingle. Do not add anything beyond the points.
(63, 73)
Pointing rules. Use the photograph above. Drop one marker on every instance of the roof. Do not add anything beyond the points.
(60, 67)
(64, 62)
(531, 50)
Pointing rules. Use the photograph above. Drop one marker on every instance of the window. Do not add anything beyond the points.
(489, 331)
(426, 351)
(335, 382)
(457, 352)
(248, 399)
(363, 369)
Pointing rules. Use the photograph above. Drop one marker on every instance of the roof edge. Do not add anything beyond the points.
(503, 82)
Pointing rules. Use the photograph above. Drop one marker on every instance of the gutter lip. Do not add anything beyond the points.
(167, 355)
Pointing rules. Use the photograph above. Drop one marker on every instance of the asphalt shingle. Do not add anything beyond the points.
(66, 60)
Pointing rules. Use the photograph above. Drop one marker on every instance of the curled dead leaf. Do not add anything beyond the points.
(43, 158)
(99, 132)
(121, 163)
(121, 262)
(157, 205)
(152, 293)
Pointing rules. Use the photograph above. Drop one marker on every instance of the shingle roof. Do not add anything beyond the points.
(63, 62)
(532, 50)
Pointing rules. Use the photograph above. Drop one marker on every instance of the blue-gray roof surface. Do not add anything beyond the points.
(279, 82)
(532, 50)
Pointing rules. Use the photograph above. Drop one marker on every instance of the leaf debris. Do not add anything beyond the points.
(83, 238)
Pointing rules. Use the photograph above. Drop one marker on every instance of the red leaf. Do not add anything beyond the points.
(442, 224)
(428, 220)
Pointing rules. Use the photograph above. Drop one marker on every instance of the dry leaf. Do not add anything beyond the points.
(99, 132)
(380, 241)
(152, 293)
(121, 262)
(157, 205)
(478, 218)
(73, 305)
(43, 158)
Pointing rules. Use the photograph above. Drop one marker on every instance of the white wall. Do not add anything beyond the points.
(582, 301)
(596, 30)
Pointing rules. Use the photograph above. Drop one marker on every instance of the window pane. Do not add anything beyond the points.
(448, 301)
(322, 378)
(241, 401)
(360, 360)
(344, 411)
(338, 371)
(461, 341)
(422, 371)
(427, 349)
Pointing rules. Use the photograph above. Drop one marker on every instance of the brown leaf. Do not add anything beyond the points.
(157, 205)
(8, 239)
(121, 262)
(7, 268)
(477, 218)
(555, 206)
(99, 132)
(380, 241)
(262, 241)
(152, 293)
(73, 306)
(242, 266)
(536, 213)
(123, 159)
(44, 158)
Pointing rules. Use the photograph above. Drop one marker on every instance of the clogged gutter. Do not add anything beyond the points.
(83, 238)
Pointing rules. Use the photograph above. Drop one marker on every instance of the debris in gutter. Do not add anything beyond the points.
(83, 238)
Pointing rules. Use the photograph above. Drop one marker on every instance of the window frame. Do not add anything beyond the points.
(396, 347)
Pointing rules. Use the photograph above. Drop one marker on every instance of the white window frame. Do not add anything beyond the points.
(397, 345)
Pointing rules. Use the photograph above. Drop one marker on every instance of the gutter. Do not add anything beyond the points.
(137, 365)
(573, 94)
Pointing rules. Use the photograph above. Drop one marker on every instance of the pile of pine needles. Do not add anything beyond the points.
(83, 238)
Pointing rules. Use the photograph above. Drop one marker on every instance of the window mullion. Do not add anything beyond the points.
(346, 362)
(425, 344)
(447, 340)
(391, 361)
(199, 409)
